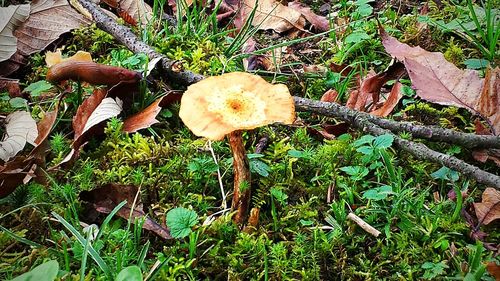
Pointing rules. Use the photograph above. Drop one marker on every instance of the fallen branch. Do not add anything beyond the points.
(419, 150)
(364, 225)
(437, 133)
(124, 35)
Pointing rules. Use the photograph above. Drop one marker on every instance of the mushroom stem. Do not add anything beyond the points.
(241, 169)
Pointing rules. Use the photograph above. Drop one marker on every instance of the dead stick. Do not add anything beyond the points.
(419, 150)
(437, 133)
(364, 225)
(125, 36)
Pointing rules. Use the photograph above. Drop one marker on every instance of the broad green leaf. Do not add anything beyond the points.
(279, 195)
(39, 87)
(356, 37)
(259, 167)
(45, 272)
(364, 140)
(383, 141)
(379, 193)
(18, 102)
(476, 63)
(130, 273)
(357, 172)
(180, 220)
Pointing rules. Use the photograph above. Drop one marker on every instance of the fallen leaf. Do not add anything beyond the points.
(10, 18)
(11, 86)
(493, 269)
(44, 128)
(89, 120)
(20, 128)
(106, 198)
(392, 100)
(439, 81)
(137, 9)
(47, 21)
(270, 14)
(52, 58)
(319, 22)
(483, 155)
(147, 117)
(107, 109)
(489, 208)
(353, 97)
(11, 65)
(330, 96)
(13, 173)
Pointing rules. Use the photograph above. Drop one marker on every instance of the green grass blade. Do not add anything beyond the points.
(93, 253)
(19, 238)
(108, 218)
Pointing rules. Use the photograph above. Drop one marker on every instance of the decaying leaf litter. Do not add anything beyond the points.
(319, 187)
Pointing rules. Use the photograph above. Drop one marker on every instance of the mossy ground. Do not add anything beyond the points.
(304, 187)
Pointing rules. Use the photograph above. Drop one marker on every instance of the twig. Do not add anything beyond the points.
(219, 177)
(437, 133)
(364, 225)
(419, 150)
(125, 36)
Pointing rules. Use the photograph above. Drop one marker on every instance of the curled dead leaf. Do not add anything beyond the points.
(489, 208)
(439, 81)
(20, 129)
(47, 21)
(106, 198)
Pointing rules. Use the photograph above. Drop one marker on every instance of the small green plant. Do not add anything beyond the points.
(433, 270)
(47, 271)
(477, 25)
(130, 273)
(180, 221)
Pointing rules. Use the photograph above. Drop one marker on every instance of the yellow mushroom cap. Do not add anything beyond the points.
(218, 105)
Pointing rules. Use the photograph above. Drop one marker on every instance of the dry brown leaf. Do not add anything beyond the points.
(106, 198)
(11, 65)
(330, 96)
(47, 21)
(270, 14)
(489, 208)
(10, 86)
(107, 109)
(10, 18)
(439, 81)
(143, 119)
(21, 169)
(392, 100)
(137, 9)
(147, 117)
(89, 120)
(319, 22)
(13, 173)
(493, 269)
(20, 128)
(353, 97)
(85, 110)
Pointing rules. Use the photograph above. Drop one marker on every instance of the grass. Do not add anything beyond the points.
(303, 187)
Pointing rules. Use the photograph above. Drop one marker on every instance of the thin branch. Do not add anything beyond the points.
(419, 150)
(437, 133)
(126, 37)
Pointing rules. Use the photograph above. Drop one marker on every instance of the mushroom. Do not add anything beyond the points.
(229, 104)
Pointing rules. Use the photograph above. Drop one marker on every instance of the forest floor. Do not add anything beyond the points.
(114, 186)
